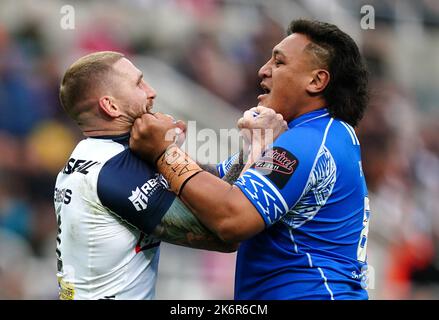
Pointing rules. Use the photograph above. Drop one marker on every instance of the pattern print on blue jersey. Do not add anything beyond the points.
(225, 166)
(268, 199)
(317, 191)
(315, 253)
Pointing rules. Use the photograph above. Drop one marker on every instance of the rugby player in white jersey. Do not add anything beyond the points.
(112, 208)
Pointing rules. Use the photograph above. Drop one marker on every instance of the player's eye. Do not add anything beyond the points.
(277, 62)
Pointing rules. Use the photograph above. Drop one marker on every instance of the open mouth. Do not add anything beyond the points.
(266, 90)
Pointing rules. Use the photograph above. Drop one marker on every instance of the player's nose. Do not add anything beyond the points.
(265, 70)
(150, 92)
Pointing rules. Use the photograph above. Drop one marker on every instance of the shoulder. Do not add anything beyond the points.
(133, 190)
(124, 169)
(306, 139)
(98, 149)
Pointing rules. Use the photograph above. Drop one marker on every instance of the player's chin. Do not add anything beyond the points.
(148, 109)
(263, 100)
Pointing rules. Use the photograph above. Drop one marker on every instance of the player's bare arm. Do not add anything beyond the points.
(211, 168)
(222, 208)
(180, 227)
(236, 169)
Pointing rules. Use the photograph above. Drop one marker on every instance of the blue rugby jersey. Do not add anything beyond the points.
(310, 190)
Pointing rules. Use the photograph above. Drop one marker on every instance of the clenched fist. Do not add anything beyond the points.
(260, 126)
(151, 134)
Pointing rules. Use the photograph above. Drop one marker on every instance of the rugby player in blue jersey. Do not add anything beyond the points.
(300, 209)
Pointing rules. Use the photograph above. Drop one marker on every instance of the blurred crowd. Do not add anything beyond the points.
(219, 45)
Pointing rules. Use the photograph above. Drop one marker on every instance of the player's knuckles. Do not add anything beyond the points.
(182, 125)
(137, 123)
(239, 124)
(267, 117)
(261, 109)
(279, 117)
(157, 115)
(134, 141)
(138, 128)
(246, 122)
(134, 132)
(170, 134)
(248, 115)
(267, 111)
(166, 118)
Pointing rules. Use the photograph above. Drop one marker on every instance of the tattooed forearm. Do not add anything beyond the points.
(209, 168)
(235, 170)
(179, 226)
(232, 174)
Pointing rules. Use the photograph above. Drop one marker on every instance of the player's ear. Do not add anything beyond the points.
(318, 82)
(109, 107)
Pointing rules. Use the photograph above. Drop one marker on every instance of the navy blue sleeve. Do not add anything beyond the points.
(134, 191)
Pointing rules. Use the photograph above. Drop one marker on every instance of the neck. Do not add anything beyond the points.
(94, 122)
(308, 107)
(104, 128)
(97, 133)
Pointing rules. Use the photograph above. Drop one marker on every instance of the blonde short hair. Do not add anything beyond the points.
(83, 77)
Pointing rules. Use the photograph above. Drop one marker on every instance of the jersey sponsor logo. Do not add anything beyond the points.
(138, 199)
(277, 164)
(140, 196)
(78, 165)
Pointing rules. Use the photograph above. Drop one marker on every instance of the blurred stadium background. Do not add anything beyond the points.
(202, 56)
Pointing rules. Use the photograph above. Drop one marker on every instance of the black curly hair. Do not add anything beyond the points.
(347, 93)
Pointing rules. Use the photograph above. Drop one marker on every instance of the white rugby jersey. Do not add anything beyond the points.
(106, 201)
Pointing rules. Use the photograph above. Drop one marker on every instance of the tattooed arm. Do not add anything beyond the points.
(235, 170)
(179, 226)
(209, 168)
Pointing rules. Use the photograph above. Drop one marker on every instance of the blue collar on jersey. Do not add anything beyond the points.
(308, 117)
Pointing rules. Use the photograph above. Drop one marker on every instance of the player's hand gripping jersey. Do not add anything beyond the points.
(311, 192)
(99, 255)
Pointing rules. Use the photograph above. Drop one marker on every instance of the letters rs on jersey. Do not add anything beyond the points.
(107, 200)
(311, 193)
